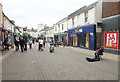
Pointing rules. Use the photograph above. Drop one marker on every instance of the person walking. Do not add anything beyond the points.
(22, 44)
(25, 49)
(30, 43)
(6, 44)
(33, 41)
(44, 43)
(17, 44)
(40, 44)
(52, 46)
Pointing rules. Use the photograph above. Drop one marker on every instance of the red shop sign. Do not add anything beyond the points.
(119, 40)
(111, 40)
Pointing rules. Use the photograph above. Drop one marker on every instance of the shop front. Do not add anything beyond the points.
(82, 37)
(0, 38)
(111, 30)
(56, 38)
(11, 39)
(63, 37)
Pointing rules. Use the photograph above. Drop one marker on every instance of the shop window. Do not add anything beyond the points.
(73, 21)
(71, 40)
(75, 40)
(87, 41)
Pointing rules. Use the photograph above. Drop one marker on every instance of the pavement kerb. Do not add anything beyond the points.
(109, 56)
(8, 52)
(106, 55)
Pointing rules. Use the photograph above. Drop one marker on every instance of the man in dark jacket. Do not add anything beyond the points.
(22, 44)
(17, 44)
(25, 49)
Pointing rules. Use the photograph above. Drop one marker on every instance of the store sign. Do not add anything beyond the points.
(76, 31)
(91, 34)
(80, 30)
(111, 40)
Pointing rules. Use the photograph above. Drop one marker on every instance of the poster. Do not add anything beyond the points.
(119, 40)
(111, 40)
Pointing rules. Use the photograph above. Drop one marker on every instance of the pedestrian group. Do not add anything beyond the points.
(23, 43)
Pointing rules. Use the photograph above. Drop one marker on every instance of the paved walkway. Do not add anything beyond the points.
(67, 63)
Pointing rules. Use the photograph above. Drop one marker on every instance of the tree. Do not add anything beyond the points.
(26, 36)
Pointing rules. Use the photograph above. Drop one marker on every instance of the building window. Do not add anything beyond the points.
(55, 29)
(73, 21)
(62, 27)
(86, 16)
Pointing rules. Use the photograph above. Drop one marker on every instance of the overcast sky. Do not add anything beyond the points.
(30, 13)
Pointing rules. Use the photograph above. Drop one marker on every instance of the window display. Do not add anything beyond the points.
(87, 41)
(75, 40)
(82, 39)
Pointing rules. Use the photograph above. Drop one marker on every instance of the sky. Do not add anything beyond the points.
(30, 13)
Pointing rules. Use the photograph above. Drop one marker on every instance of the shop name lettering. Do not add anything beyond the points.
(76, 31)
(111, 39)
(80, 30)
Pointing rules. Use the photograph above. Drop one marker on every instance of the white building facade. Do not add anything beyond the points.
(83, 26)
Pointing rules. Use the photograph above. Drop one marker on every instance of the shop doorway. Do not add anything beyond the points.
(82, 39)
(71, 40)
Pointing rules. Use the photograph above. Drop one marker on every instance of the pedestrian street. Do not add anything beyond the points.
(65, 63)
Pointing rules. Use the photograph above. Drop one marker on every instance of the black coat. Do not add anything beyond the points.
(22, 42)
(17, 43)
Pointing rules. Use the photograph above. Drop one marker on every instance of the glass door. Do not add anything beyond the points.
(82, 39)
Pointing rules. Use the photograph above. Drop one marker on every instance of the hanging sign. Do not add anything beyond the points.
(111, 40)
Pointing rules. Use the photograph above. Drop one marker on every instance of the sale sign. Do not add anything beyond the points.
(111, 40)
(119, 40)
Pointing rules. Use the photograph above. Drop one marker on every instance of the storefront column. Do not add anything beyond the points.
(68, 40)
(118, 42)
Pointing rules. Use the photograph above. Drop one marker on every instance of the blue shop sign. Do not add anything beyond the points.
(84, 29)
